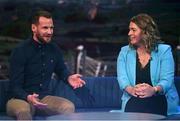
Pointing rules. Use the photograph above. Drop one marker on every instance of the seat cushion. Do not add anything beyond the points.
(3, 116)
(99, 92)
(177, 84)
(173, 117)
(3, 94)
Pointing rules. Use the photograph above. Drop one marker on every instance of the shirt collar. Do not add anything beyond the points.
(37, 44)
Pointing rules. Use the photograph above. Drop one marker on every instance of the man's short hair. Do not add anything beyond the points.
(38, 14)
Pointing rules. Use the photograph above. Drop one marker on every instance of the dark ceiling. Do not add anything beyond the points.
(100, 25)
(95, 20)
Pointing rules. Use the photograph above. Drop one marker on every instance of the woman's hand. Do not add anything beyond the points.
(144, 90)
(131, 90)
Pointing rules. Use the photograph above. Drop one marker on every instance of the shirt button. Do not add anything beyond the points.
(44, 64)
(39, 46)
(40, 85)
(42, 74)
(52, 60)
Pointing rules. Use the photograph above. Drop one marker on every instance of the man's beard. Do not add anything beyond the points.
(41, 40)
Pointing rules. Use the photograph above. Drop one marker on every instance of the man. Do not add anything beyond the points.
(31, 66)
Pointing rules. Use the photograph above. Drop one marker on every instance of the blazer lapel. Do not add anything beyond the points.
(131, 62)
(154, 66)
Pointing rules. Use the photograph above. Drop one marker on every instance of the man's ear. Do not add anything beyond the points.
(33, 27)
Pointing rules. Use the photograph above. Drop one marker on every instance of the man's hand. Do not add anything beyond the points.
(75, 81)
(33, 99)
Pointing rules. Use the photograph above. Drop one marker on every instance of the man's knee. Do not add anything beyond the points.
(23, 110)
(58, 105)
(24, 114)
(17, 107)
(67, 107)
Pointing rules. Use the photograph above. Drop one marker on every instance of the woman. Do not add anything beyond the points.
(145, 70)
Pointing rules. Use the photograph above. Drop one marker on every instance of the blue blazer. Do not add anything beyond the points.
(161, 71)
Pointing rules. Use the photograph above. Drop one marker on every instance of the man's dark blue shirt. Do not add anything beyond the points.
(31, 68)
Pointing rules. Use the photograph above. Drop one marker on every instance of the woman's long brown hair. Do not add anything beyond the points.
(150, 33)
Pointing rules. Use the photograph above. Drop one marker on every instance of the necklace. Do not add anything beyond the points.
(143, 58)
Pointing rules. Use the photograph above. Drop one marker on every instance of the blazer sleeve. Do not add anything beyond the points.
(122, 70)
(166, 69)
